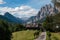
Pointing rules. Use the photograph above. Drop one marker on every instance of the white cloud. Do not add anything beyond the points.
(2, 2)
(21, 12)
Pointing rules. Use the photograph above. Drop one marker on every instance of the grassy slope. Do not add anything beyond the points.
(54, 36)
(23, 35)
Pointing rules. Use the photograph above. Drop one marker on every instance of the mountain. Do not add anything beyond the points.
(45, 11)
(4, 18)
(10, 18)
(32, 19)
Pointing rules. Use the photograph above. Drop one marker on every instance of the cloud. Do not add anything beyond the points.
(21, 12)
(2, 2)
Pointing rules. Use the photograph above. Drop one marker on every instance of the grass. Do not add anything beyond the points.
(54, 36)
(24, 35)
(47, 38)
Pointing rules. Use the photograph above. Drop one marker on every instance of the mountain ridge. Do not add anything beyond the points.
(45, 10)
(10, 18)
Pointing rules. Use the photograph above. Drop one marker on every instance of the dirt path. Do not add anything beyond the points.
(42, 36)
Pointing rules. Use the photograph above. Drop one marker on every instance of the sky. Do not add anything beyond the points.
(22, 8)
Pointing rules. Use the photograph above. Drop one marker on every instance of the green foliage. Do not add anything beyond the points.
(48, 23)
(49, 35)
(51, 22)
(5, 34)
(6, 29)
(55, 38)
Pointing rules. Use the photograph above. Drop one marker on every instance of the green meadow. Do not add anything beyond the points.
(24, 35)
(54, 36)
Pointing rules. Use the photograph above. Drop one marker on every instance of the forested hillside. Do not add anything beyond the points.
(52, 22)
(7, 28)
